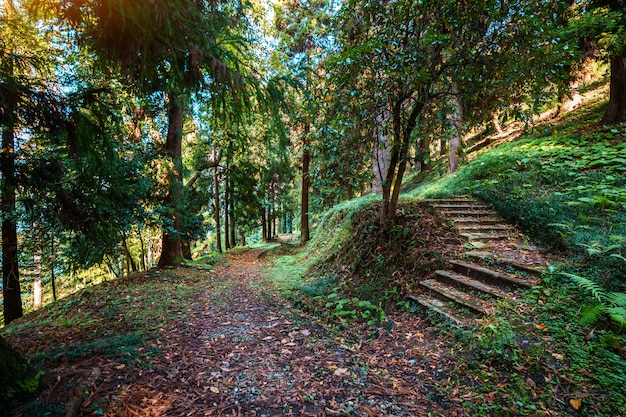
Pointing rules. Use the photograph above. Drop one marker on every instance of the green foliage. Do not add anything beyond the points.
(352, 309)
(611, 304)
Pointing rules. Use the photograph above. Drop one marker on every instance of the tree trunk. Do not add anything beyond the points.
(306, 185)
(186, 248)
(17, 376)
(171, 250)
(143, 250)
(227, 244)
(129, 258)
(216, 203)
(52, 276)
(233, 222)
(457, 132)
(382, 154)
(399, 159)
(38, 270)
(264, 224)
(10, 265)
(495, 122)
(616, 113)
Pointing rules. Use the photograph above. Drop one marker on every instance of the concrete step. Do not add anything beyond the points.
(463, 299)
(440, 307)
(464, 282)
(503, 262)
(499, 279)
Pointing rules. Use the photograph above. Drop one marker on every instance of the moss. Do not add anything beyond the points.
(17, 376)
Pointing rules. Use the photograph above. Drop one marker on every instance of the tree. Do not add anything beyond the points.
(195, 47)
(613, 39)
(301, 27)
(402, 58)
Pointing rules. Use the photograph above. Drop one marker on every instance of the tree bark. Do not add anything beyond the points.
(233, 222)
(10, 265)
(616, 112)
(382, 154)
(264, 224)
(216, 203)
(306, 185)
(227, 244)
(457, 132)
(171, 250)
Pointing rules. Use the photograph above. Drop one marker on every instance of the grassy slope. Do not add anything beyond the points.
(562, 181)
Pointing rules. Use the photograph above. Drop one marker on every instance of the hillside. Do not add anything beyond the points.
(327, 330)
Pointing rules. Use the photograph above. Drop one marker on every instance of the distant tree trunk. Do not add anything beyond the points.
(171, 250)
(233, 219)
(306, 185)
(17, 376)
(216, 203)
(456, 120)
(227, 242)
(129, 258)
(186, 248)
(52, 276)
(616, 112)
(264, 224)
(38, 270)
(143, 250)
(10, 266)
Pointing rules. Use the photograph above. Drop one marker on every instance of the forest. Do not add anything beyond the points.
(269, 185)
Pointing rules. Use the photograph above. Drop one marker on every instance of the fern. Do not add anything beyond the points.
(591, 314)
(611, 304)
(588, 285)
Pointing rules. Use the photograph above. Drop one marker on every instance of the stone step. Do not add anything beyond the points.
(451, 213)
(463, 299)
(500, 279)
(466, 205)
(486, 220)
(482, 227)
(465, 282)
(504, 262)
(474, 236)
(440, 307)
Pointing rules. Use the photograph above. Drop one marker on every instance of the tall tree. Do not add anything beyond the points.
(404, 57)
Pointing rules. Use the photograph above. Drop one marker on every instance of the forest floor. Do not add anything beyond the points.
(193, 342)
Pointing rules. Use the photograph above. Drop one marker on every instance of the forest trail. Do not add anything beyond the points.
(236, 348)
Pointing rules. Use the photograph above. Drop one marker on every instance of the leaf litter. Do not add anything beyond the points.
(223, 343)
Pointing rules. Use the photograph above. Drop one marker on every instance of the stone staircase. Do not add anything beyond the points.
(497, 265)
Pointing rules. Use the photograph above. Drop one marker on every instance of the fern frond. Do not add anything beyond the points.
(618, 315)
(591, 314)
(616, 299)
(588, 285)
(618, 256)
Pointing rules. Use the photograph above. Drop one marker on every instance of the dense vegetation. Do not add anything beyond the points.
(145, 134)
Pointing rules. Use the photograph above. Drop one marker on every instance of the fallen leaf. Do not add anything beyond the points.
(215, 390)
(541, 326)
(305, 332)
(558, 356)
(340, 371)
(267, 338)
(576, 403)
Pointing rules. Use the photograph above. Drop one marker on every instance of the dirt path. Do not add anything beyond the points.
(240, 350)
